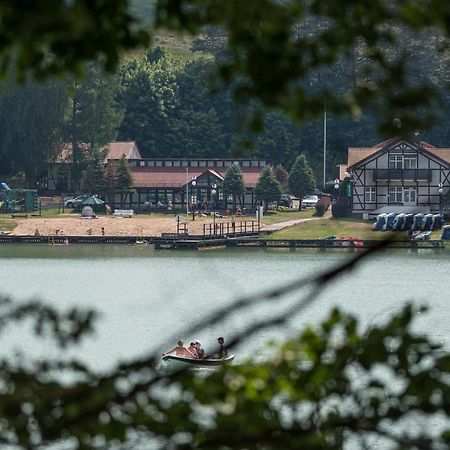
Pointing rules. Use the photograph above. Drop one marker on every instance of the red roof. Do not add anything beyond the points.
(175, 177)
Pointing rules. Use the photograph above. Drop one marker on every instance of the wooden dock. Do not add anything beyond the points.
(174, 242)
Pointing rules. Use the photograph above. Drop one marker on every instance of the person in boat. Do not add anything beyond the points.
(223, 352)
(200, 351)
(181, 350)
(192, 348)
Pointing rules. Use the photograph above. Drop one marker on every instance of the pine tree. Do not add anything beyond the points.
(233, 183)
(268, 188)
(110, 180)
(301, 179)
(124, 179)
(282, 176)
(94, 176)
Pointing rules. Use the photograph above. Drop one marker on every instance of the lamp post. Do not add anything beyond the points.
(336, 187)
(213, 196)
(440, 190)
(193, 209)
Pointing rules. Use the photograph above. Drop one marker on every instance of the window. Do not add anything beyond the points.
(142, 163)
(219, 163)
(151, 163)
(176, 163)
(395, 161)
(395, 194)
(370, 195)
(194, 163)
(410, 162)
(246, 164)
(210, 163)
(202, 164)
(159, 163)
(255, 163)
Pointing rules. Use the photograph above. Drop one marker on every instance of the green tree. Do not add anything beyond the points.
(124, 179)
(31, 120)
(148, 95)
(110, 180)
(301, 179)
(282, 176)
(94, 176)
(268, 188)
(233, 183)
(94, 116)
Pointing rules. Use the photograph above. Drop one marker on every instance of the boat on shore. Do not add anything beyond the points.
(204, 362)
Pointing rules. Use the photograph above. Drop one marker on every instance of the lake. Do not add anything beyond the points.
(146, 297)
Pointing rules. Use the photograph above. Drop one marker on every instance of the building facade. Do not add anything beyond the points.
(398, 176)
(174, 182)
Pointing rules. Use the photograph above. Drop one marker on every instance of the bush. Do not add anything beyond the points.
(322, 205)
(340, 209)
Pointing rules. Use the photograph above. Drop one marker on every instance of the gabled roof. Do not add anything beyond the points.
(357, 155)
(175, 177)
(117, 149)
(114, 150)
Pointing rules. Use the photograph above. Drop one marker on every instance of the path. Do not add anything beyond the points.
(289, 223)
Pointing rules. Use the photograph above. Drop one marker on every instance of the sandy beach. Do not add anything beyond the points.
(76, 226)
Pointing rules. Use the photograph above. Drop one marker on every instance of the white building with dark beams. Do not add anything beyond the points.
(398, 176)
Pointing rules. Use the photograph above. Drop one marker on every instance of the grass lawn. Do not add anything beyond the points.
(321, 228)
(284, 215)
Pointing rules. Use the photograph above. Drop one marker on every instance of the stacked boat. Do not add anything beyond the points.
(409, 222)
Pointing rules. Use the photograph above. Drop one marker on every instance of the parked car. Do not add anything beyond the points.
(309, 201)
(76, 201)
(321, 194)
(285, 200)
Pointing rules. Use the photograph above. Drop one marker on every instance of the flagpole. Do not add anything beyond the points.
(324, 144)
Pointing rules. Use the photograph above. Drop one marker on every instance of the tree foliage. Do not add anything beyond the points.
(94, 177)
(233, 183)
(301, 179)
(31, 118)
(268, 188)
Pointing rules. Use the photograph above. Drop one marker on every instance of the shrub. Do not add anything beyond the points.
(340, 209)
(322, 205)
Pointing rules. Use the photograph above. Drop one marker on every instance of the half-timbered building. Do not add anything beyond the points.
(169, 181)
(398, 176)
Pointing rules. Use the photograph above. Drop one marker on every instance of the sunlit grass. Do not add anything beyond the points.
(322, 228)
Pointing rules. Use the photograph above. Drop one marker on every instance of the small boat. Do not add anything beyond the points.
(205, 362)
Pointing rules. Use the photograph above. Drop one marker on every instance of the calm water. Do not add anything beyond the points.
(146, 297)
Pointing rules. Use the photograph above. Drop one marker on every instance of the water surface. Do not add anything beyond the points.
(146, 297)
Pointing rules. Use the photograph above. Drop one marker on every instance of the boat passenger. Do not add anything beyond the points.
(193, 349)
(223, 352)
(200, 351)
(180, 350)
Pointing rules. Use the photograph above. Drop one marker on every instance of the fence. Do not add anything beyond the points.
(220, 229)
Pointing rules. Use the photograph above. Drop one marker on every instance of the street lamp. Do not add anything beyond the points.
(440, 190)
(193, 197)
(336, 186)
(213, 196)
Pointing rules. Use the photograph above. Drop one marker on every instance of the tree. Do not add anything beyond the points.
(124, 179)
(282, 176)
(93, 118)
(301, 179)
(268, 188)
(148, 95)
(94, 175)
(31, 120)
(110, 180)
(233, 183)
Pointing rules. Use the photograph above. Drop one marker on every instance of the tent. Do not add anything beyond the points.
(93, 200)
(87, 211)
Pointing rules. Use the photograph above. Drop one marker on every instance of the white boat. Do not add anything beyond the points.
(205, 362)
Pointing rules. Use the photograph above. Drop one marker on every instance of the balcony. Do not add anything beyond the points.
(402, 174)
